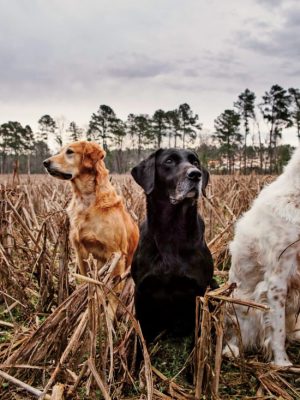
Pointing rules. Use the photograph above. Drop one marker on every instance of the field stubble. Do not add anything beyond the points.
(54, 330)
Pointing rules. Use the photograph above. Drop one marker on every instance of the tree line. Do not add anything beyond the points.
(231, 146)
(279, 108)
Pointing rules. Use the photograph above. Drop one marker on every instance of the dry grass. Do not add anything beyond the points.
(53, 330)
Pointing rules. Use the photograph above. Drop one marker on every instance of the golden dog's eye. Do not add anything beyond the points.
(69, 151)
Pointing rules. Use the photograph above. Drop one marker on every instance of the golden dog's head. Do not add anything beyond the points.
(75, 159)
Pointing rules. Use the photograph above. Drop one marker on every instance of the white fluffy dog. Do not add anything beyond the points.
(266, 268)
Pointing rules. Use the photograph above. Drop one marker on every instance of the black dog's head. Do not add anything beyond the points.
(172, 173)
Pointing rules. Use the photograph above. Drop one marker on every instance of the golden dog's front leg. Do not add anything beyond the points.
(117, 289)
(81, 256)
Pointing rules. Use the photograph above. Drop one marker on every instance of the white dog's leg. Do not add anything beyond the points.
(277, 298)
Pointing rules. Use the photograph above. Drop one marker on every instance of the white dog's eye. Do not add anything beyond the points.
(69, 151)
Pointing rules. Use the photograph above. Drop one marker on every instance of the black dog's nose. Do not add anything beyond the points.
(46, 163)
(194, 174)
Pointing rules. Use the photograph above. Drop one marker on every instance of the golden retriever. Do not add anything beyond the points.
(99, 222)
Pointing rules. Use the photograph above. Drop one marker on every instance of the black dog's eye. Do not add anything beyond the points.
(196, 163)
(168, 161)
(69, 151)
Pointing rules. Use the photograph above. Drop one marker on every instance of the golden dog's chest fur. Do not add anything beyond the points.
(102, 228)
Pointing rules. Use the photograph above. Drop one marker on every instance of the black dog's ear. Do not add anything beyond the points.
(144, 173)
(205, 179)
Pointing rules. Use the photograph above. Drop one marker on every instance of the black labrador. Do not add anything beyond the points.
(172, 264)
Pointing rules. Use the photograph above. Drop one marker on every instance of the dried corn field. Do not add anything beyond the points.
(56, 338)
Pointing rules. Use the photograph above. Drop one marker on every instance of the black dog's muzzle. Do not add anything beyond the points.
(194, 174)
(189, 186)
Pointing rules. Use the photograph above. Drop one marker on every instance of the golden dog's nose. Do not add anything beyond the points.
(46, 163)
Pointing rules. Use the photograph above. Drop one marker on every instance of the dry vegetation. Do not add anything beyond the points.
(55, 335)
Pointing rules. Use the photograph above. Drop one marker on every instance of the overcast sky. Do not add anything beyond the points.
(66, 57)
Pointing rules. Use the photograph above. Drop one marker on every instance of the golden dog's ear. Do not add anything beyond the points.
(97, 154)
(92, 153)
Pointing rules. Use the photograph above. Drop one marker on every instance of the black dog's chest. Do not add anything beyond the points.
(168, 292)
(187, 262)
(166, 302)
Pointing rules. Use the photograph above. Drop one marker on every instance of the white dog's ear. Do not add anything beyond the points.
(144, 173)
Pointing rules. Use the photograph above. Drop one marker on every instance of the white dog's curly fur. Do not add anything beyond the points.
(266, 268)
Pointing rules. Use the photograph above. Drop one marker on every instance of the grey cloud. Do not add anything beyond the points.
(209, 73)
(257, 23)
(192, 72)
(270, 3)
(280, 44)
(295, 73)
(253, 24)
(281, 41)
(137, 65)
(221, 58)
(134, 65)
(277, 4)
(139, 54)
(222, 66)
(209, 62)
(292, 17)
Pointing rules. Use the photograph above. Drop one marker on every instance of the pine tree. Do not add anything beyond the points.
(246, 108)
(276, 111)
(75, 133)
(189, 124)
(159, 126)
(47, 128)
(139, 128)
(295, 113)
(173, 126)
(28, 144)
(118, 131)
(100, 125)
(227, 127)
(15, 140)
